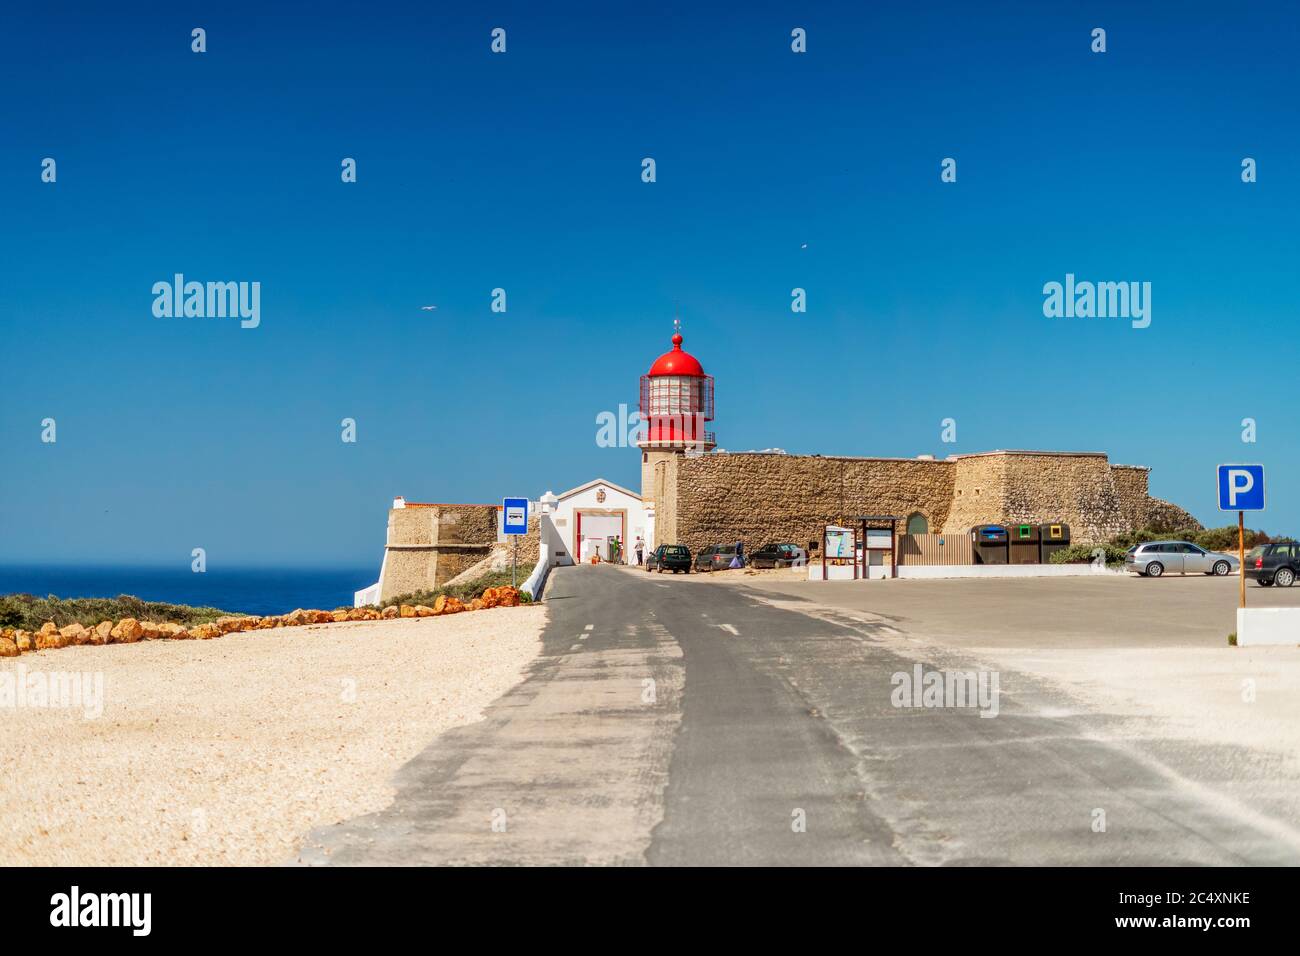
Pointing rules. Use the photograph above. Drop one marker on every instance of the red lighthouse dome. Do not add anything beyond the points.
(676, 401)
(677, 362)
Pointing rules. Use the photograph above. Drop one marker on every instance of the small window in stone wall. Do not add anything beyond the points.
(917, 524)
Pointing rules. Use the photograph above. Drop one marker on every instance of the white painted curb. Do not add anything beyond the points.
(1268, 625)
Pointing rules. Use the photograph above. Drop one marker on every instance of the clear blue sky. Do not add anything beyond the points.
(523, 171)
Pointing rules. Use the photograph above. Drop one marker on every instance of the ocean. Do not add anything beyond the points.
(247, 590)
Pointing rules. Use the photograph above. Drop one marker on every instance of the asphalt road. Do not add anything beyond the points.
(672, 721)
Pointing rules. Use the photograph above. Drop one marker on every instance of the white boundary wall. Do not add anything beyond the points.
(915, 572)
(1268, 625)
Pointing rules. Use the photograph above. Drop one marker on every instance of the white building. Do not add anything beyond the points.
(590, 518)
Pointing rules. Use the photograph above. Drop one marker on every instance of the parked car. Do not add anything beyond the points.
(716, 558)
(778, 555)
(671, 557)
(1277, 563)
(1154, 559)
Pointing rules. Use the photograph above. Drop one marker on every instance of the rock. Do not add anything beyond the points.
(128, 631)
(298, 617)
(74, 634)
(48, 628)
(150, 630)
(25, 641)
(8, 648)
(323, 617)
(390, 612)
(172, 631)
(101, 633)
(476, 604)
(341, 615)
(422, 610)
(50, 640)
(407, 611)
(205, 632)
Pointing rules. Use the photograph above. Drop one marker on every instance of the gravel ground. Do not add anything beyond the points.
(227, 751)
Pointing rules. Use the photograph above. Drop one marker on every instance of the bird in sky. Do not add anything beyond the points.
(428, 308)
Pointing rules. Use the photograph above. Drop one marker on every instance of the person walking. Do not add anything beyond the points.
(640, 550)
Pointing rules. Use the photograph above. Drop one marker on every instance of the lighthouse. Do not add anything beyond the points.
(676, 402)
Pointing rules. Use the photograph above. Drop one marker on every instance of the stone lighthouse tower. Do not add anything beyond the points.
(676, 402)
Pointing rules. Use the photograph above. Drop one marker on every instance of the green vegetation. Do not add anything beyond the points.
(1082, 554)
(468, 591)
(1211, 539)
(1232, 639)
(28, 613)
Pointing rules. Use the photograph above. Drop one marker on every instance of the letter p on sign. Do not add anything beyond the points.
(1241, 487)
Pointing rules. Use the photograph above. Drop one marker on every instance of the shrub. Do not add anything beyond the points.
(1083, 554)
(29, 613)
(468, 591)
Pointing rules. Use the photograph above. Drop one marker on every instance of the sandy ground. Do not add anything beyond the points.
(227, 751)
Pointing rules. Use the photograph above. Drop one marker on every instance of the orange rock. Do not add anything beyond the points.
(46, 641)
(407, 611)
(74, 634)
(8, 648)
(440, 604)
(390, 612)
(128, 631)
(48, 628)
(340, 616)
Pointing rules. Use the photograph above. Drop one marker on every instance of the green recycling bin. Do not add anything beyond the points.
(1023, 543)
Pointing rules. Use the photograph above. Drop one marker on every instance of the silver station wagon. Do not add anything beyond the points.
(1156, 558)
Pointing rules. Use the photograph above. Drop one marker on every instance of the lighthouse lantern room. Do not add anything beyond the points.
(676, 402)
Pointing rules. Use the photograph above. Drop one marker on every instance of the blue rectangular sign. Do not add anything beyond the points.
(1241, 487)
(515, 516)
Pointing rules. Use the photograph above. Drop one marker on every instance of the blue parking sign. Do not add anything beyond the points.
(515, 520)
(1241, 487)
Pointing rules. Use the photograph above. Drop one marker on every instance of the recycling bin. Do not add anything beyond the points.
(1023, 543)
(1052, 537)
(989, 543)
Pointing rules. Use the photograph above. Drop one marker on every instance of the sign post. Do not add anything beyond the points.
(514, 522)
(1241, 489)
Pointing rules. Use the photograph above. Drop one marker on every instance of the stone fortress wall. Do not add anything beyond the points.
(429, 544)
(758, 497)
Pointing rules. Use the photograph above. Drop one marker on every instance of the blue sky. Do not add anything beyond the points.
(522, 171)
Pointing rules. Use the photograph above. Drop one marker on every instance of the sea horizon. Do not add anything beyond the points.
(247, 589)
